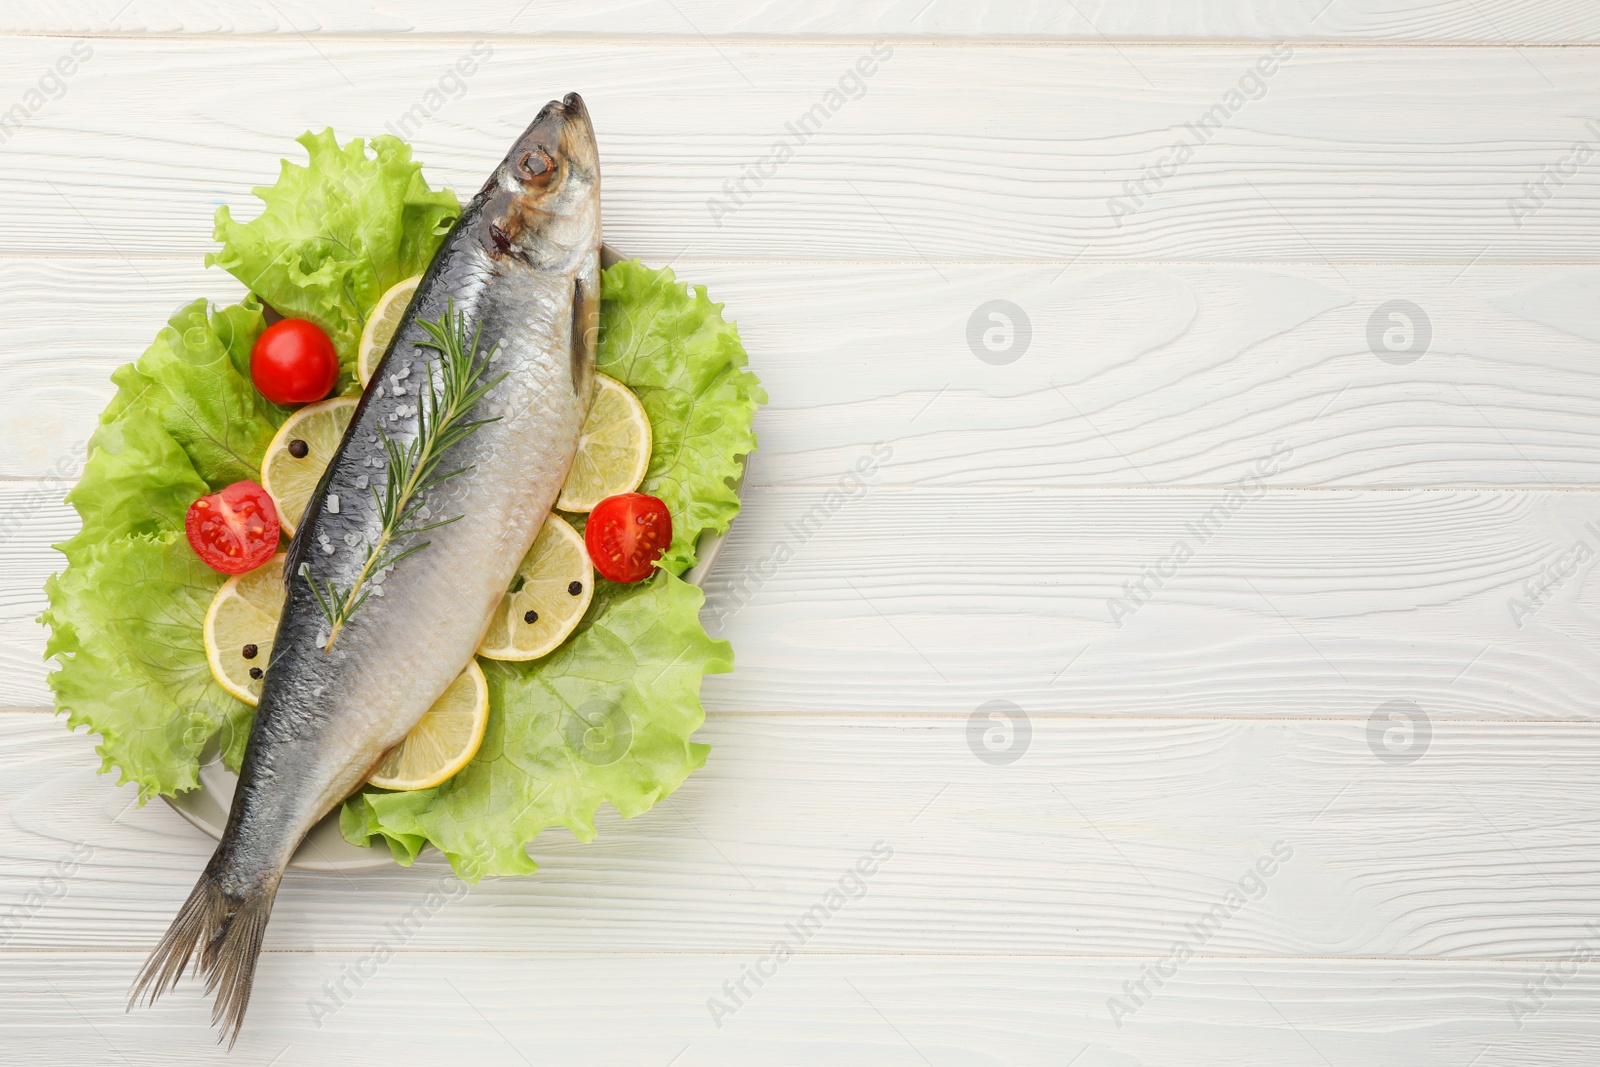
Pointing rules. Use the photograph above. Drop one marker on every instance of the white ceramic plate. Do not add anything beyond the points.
(325, 848)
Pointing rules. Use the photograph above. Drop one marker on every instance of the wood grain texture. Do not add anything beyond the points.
(68, 1008)
(1103, 838)
(1422, 544)
(1134, 374)
(1345, 154)
(1484, 22)
(1295, 603)
(1128, 602)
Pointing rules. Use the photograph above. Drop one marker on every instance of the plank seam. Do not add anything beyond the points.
(1509, 961)
(865, 717)
(704, 42)
(1197, 488)
(23, 255)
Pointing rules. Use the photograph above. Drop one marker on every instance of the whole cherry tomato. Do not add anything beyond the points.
(626, 534)
(293, 362)
(235, 530)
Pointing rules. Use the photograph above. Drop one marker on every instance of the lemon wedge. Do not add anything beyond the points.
(300, 452)
(613, 450)
(239, 628)
(444, 741)
(547, 598)
(381, 324)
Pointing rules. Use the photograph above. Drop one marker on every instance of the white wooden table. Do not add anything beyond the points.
(1279, 578)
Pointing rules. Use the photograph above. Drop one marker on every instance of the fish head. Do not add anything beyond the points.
(542, 203)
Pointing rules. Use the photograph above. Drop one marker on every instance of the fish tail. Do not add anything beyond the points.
(226, 926)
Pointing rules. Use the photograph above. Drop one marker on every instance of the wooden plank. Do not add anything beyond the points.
(1131, 602)
(61, 1010)
(1478, 605)
(1488, 21)
(1131, 374)
(1070, 153)
(1102, 838)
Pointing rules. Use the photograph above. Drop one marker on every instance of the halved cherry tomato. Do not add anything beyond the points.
(293, 362)
(626, 534)
(235, 530)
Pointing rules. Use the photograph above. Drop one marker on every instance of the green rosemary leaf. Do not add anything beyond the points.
(444, 410)
(409, 530)
(327, 608)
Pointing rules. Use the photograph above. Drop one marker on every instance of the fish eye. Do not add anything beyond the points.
(535, 166)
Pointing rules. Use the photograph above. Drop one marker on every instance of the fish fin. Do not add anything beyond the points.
(227, 930)
(585, 332)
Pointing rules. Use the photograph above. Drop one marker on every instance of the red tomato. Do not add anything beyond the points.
(626, 534)
(235, 530)
(293, 362)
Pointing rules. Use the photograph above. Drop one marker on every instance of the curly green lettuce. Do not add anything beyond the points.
(125, 614)
(685, 362)
(336, 234)
(133, 662)
(195, 379)
(605, 719)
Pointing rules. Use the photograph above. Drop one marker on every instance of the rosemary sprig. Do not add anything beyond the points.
(443, 420)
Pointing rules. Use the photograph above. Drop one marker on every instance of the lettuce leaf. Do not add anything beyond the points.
(336, 234)
(125, 615)
(137, 674)
(138, 480)
(604, 719)
(672, 347)
(195, 378)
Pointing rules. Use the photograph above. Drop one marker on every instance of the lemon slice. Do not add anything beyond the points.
(613, 451)
(239, 628)
(238, 631)
(381, 324)
(300, 452)
(444, 741)
(547, 598)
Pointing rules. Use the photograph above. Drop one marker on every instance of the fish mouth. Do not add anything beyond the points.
(560, 138)
(542, 204)
(574, 105)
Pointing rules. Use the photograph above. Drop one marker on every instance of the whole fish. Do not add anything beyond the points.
(518, 279)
